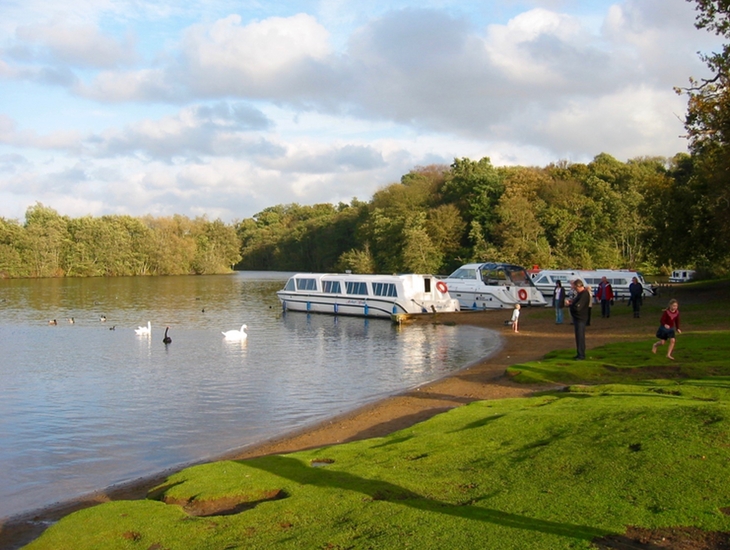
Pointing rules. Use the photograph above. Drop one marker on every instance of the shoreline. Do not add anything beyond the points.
(482, 380)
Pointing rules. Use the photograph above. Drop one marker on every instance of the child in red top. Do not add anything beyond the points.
(667, 324)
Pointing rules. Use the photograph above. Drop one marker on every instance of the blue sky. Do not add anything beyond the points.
(220, 108)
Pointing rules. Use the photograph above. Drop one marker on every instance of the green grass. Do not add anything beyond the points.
(633, 440)
(553, 471)
(697, 355)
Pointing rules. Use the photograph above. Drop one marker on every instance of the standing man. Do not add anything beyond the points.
(579, 312)
(559, 302)
(636, 293)
(604, 293)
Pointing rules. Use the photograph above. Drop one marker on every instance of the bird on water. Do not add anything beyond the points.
(166, 340)
(144, 331)
(236, 334)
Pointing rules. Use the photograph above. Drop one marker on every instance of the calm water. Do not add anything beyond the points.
(83, 407)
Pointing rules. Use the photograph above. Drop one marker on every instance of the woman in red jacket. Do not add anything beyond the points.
(669, 322)
(604, 294)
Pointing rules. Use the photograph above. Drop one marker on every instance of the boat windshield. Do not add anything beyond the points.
(519, 277)
(464, 273)
(504, 274)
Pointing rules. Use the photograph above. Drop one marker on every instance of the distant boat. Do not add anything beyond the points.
(366, 295)
(682, 275)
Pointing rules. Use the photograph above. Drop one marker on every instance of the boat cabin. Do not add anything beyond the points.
(682, 275)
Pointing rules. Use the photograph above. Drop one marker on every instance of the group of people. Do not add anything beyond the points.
(580, 302)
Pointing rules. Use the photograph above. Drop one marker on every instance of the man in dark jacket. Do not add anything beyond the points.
(579, 312)
(636, 292)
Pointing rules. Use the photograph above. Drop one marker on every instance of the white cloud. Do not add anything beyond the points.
(255, 59)
(615, 123)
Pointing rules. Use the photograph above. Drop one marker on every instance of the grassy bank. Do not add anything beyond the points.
(633, 442)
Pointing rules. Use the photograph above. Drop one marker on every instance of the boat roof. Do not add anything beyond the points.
(493, 265)
(361, 276)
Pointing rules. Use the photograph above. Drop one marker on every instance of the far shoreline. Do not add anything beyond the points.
(480, 380)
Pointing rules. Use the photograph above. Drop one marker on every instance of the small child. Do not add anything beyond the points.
(516, 318)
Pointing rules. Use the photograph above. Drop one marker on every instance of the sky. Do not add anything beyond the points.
(222, 108)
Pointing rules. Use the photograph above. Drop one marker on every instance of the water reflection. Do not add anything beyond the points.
(83, 406)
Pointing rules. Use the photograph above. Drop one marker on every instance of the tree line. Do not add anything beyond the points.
(50, 245)
(650, 214)
(642, 214)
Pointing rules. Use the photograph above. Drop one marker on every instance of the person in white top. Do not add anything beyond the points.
(516, 318)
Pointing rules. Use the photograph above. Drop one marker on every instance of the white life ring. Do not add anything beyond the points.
(522, 293)
(441, 287)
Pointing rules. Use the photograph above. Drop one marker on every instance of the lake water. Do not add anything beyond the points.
(84, 407)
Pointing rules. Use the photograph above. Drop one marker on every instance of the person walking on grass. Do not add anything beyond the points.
(559, 302)
(579, 309)
(636, 296)
(667, 325)
(516, 318)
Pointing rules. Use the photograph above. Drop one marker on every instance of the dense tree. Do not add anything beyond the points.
(13, 247)
(48, 239)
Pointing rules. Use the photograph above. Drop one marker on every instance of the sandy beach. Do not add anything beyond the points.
(484, 380)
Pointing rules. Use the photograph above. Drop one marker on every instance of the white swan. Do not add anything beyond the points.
(144, 331)
(236, 334)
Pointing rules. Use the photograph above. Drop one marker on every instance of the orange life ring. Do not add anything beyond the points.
(441, 287)
(522, 293)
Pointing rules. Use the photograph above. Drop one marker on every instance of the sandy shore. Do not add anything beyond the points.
(484, 380)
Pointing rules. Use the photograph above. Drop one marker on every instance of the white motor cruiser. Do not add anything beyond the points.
(493, 286)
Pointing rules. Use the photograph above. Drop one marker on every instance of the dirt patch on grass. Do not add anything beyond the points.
(675, 538)
(223, 506)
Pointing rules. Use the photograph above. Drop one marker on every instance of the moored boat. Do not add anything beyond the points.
(620, 280)
(366, 295)
(682, 275)
(493, 285)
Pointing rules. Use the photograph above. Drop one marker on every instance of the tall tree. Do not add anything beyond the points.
(708, 130)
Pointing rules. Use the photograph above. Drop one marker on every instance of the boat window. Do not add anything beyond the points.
(353, 287)
(385, 289)
(290, 284)
(462, 273)
(306, 284)
(331, 287)
(519, 277)
(494, 276)
(543, 280)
